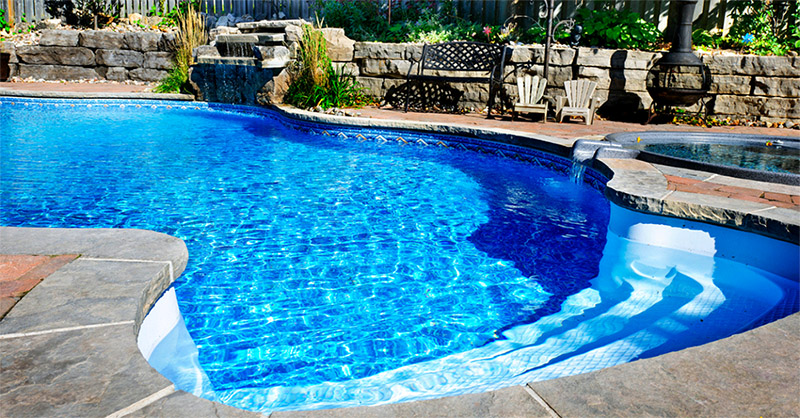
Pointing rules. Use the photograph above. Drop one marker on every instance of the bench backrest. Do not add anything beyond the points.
(461, 56)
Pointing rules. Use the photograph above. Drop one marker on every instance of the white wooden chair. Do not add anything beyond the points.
(530, 89)
(579, 100)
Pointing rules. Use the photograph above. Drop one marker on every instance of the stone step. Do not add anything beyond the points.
(269, 25)
(273, 62)
(251, 38)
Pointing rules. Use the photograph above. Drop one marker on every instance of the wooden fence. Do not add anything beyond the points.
(709, 14)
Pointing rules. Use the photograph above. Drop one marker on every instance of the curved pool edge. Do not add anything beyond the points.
(633, 184)
(749, 373)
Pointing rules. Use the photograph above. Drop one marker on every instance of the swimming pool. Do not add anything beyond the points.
(338, 267)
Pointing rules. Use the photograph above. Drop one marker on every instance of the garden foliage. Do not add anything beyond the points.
(191, 34)
(86, 13)
(315, 82)
(611, 28)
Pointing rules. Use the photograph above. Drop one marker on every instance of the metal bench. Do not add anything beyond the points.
(483, 63)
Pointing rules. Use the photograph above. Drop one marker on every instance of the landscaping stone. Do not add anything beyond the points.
(754, 65)
(385, 68)
(102, 40)
(616, 58)
(146, 74)
(142, 41)
(158, 60)
(293, 33)
(59, 38)
(373, 86)
(349, 68)
(116, 74)
(378, 50)
(120, 58)
(609, 78)
(58, 55)
(167, 42)
(784, 87)
(757, 105)
(730, 84)
(558, 57)
(270, 25)
(56, 72)
(340, 47)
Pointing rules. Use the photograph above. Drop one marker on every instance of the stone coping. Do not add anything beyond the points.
(69, 350)
(634, 184)
(95, 95)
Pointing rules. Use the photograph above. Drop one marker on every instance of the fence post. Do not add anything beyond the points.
(10, 9)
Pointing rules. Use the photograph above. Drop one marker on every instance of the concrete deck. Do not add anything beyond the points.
(69, 347)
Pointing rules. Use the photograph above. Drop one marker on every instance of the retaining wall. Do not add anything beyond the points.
(751, 87)
(77, 55)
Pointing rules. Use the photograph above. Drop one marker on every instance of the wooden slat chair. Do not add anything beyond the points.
(530, 90)
(579, 100)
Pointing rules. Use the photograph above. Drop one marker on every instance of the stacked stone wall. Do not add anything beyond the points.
(87, 55)
(748, 87)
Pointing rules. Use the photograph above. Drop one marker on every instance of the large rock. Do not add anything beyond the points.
(773, 86)
(293, 33)
(385, 68)
(753, 105)
(340, 47)
(57, 72)
(616, 58)
(754, 65)
(167, 42)
(348, 68)
(142, 41)
(146, 74)
(59, 38)
(117, 74)
(530, 54)
(730, 84)
(379, 50)
(158, 60)
(373, 86)
(102, 40)
(120, 58)
(205, 51)
(55, 55)
(615, 79)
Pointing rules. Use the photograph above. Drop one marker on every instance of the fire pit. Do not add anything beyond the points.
(679, 78)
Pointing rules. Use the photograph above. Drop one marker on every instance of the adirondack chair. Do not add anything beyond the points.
(579, 100)
(531, 90)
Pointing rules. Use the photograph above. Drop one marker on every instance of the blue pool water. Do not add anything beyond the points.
(337, 268)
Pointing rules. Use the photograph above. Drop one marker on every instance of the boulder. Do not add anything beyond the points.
(167, 42)
(57, 72)
(730, 84)
(102, 40)
(158, 60)
(385, 68)
(773, 86)
(616, 58)
(340, 47)
(379, 50)
(117, 74)
(142, 41)
(293, 33)
(119, 58)
(349, 68)
(56, 55)
(135, 17)
(146, 74)
(614, 79)
(59, 38)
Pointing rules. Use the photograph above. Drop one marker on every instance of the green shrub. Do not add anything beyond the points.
(170, 18)
(4, 24)
(762, 27)
(191, 34)
(314, 80)
(611, 28)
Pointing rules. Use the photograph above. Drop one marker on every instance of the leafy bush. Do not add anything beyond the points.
(4, 25)
(191, 34)
(613, 28)
(95, 13)
(314, 80)
(762, 27)
(170, 18)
